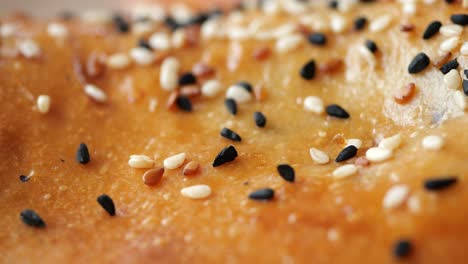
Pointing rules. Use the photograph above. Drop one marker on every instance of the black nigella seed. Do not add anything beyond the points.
(82, 154)
(318, 39)
(24, 178)
(107, 204)
(121, 24)
(260, 119)
(419, 63)
(466, 73)
(231, 105)
(371, 45)
(31, 218)
(465, 86)
(187, 79)
(286, 172)
(198, 19)
(142, 43)
(184, 103)
(437, 184)
(308, 70)
(453, 64)
(360, 23)
(171, 23)
(262, 194)
(432, 29)
(336, 111)
(229, 134)
(227, 154)
(247, 86)
(347, 153)
(450, 1)
(333, 4)
(402, 248)
(460, 19)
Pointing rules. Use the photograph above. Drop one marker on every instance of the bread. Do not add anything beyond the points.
(124, 157)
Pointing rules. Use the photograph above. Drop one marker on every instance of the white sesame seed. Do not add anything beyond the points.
(238, 33)
(368, 55)
(210, 28)
(465, 3)
(395, 196)
(391, 143)
(95, 93)
(378, 154)
(293, 7)
(347, 5)
(181, 13)
(238, 93)
(338, 23)
(160, 41)
(288, 43)
(380, 23)
(285, 30)
(344, 171)
(432, 142)
(43, 103)
(429, 2)
(271, 7)
(449, 44)
(452, 30)
(354, 142)
(409, 8)
(175, 161)
(314, 104)
(319, 156)
(96, 17)
(142, 56)
(210, 88)
(196, 191)
(118, 61)
(7, 30)
(452, 79)
(179, 38)
(169, 73)
(314, 22)
(29, 48)
(464, 49)
(57, 30)
(460, 100)
(142, 27)
(140, 162)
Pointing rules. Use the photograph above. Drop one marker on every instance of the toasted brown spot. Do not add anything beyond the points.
(192, 35)
(171, 100)
(153, 176)
(405, 93)
(441, 60)
(362, 161)
(261, 53)
(190, 90)
(95, 65)
(191, 168)
(303, 29)
(202, 70)
(406, 27)
(331, 66)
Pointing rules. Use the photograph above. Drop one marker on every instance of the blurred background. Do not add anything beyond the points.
(52, 7)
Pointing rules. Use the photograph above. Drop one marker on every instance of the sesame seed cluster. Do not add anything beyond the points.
(260, 82)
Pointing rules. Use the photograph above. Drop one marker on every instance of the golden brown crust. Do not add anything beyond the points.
(317, 218)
